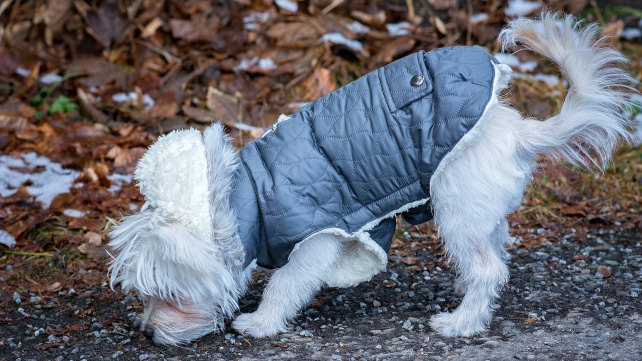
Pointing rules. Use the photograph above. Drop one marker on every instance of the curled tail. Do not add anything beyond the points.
(591, 121)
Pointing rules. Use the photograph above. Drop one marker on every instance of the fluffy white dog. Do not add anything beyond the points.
(320, 208)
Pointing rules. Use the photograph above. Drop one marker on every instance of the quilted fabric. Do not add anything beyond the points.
(353, 158)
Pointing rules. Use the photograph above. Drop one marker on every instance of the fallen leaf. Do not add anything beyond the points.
(320, 83)
(224, 106)
(200, 115)
(125, 162)
(530, 320)
(197, 29)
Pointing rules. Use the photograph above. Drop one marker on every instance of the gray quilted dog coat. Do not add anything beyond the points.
(350, 161)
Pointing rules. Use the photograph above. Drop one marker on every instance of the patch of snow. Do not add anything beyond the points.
(402, 28)
(241, 126)
(73, 213)
(23, 72)
(50, 78)
(631, 33)
(288, 5)
(551, 80)
(297, 105)
(521, 8)
(47, 182)
(358, 28)
(478, 18)
(255, 62)
(338, 38)
(131, 96)
(513, 61)
(267, 64)
(7, 239)
(118, 181)
(254, 18)
(133, 207)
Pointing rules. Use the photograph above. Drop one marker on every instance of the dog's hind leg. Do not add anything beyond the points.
(481, 272)
(291, 287)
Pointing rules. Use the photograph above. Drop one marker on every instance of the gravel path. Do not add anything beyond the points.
(560, 304)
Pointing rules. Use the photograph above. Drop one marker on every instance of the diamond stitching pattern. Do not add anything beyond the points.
(362, 151)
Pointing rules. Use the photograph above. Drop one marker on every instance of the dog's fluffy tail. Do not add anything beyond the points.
(183, 244)
(591, 121)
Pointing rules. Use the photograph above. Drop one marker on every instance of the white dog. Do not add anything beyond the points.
(211, 214)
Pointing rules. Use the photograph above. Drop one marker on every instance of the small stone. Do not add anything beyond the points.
(306, 333)
(143, 357)
(407, 325)
(604, 271)
(376, 303)
(16, 297)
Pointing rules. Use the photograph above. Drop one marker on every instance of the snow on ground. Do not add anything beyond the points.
(7, 239)
(48, 179)
(339, 38)
(521, 8)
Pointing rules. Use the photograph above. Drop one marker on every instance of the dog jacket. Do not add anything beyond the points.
(350, 161)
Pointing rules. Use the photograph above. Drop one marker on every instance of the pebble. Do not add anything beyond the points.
(16, 297)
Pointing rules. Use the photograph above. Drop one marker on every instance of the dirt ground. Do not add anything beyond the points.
(556, 306)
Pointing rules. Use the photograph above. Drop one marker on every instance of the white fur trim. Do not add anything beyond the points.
(500, 82)
(362, 258)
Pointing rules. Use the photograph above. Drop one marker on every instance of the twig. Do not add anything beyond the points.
(598, 13)
(333, 5)
(469, 28)
(411, 10)
(27, 253)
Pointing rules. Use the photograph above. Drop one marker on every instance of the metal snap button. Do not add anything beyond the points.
(417, 80)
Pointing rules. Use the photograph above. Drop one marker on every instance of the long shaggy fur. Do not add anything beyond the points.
(475, 191)
(182, 254)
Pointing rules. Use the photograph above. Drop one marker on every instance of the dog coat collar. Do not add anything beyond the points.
(350, 161)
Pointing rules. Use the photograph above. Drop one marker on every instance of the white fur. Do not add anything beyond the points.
(181, 252)
(183, 256)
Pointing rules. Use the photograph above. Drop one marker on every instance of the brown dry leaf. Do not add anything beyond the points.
(224, 106)
(530, 320)
(612, 31)
(377, 20)
(297, 34)
(200, 115)
(320, 83)
(198, 29)
(573, 211)
(61, 202)
(105, 24)
(442, 4)
(392, 49)
(126, 160)
(54, 287)
(100, 73)
(164, 110)
(93, 246)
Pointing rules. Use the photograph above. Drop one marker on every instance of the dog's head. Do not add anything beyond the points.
(181, 253)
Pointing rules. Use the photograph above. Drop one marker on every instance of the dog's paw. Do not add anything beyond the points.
(453, 325)
(257, 325)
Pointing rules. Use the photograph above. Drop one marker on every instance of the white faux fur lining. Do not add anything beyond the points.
(362, 257)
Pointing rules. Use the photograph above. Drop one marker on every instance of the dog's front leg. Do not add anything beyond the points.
(291, 287)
